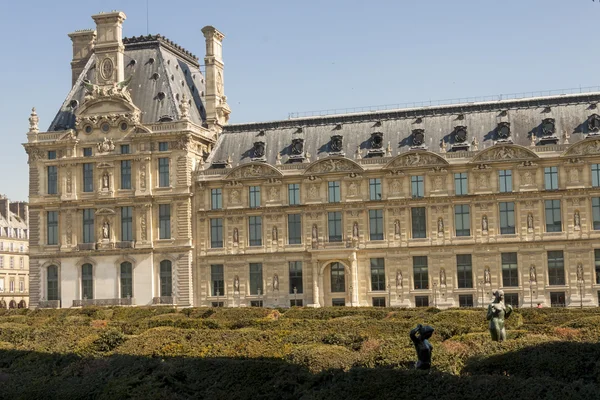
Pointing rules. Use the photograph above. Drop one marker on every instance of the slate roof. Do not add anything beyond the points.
(157, 65)
(525, 116)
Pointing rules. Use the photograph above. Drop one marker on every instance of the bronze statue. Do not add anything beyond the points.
(496, 313)
(422, 345)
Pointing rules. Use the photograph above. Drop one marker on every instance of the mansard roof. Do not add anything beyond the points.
(162, 72)
(569, 114)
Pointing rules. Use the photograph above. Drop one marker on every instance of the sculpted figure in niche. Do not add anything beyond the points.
(236, 284)
(315, 236)
(274, 234)
(442, 277)
(235, 196)
(422, 345)
(355, 231)
(274, 192)
(105, 180)
(484, 223)
(530, 222)
(313, 191)
(236, 236)
(105, 230)
(398, 279)
(487, 278)
(353, 189)
(397, 227)
(276, 282)
(580, 272)
(496, 313)
(440, 225)
(577, 219)
(532, 274)
(395, 186)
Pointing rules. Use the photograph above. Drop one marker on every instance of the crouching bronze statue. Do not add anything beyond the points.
(422, 345)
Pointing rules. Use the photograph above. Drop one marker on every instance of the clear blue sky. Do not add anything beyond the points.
(283, 56)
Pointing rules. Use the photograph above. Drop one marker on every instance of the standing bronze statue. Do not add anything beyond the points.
(496, 313)
(422, 345)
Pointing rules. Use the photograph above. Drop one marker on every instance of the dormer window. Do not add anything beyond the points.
(259, 150)
(594, 123)
(336, 144)
(460, 134)
(297, 147)
(503, 130)
(548, 126)
(165, 118)
(418, 137)
(377, 140)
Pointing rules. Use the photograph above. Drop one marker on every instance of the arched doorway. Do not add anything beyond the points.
(22, 304)
(2, 304)
(12, 304)
(336, 284)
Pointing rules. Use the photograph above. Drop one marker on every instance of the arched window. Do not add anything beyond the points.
(338, 278)
(166, 279)
(87, 281)
(12, 304)
(52, 282)
(126, 280)
(22, 304)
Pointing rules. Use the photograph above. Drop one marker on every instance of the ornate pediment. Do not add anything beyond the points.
(253, 171)
(504, 152)
(586, 147)
(417, 158)
(331, 165)
(105, 211)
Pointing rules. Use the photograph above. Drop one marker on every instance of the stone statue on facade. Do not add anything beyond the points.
(577, 220)
(236, 236)
(397, 228)
(236, 284)
(398, 279)
(579, 272)
(315, 236)
(184, 107)
(532, 274)
(419, 337)
(440, 226)
(530, 222)
(355, 231)
(105, 181)
(34, 121)
(496, 313)
(276, 282)
(105, 230)
(274, 234)
(484, 224)
(442, 277)
(487, 278)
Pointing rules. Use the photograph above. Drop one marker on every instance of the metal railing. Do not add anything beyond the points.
(49, 304)
(163, 300)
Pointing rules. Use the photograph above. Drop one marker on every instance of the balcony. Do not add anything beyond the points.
(49, 304)
(86, 246)
(169, 300)
(125, 245)
(104, 302)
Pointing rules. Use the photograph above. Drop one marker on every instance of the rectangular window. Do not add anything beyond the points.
(556, 268)
(163, 146)
(254, 196)
(338, 277)
(216, 233)
(553, 217)
(334, 195)
(216, 199)
(21, 285)
(126, 280)
(127, 224)
(88, 225)
(163, 172)
(465, 300)
(296, 303)
(296, 277)
(164, 221)
(596, 212)
(125, 149)
(510, 271)
(217, 280)
(551, 178)
(125, 174)
(464, 268)
(597, 265)
(255, 231)
(256, 303)
(595, 175)
(338, 302)
(557, 299)
(417, 186)
(376, 224)
(52, 155)
(87, 152)
(507, 218)
(421, 274)
(12, 285)
(378, 301)
(505, 179)
(421, 301)
(462, 219)
(87, 281)
(294, 228)
(511, 299)
(294, 194)
(88, 177)
(52, 227)
(377, 274)
(334, 226)
(461, 187)
(419, 225)
(52, 179)
(375, 189)
(12, 262)
(256, 280)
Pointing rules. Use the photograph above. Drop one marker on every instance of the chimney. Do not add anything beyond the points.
(83, 46)
(21, 209)
(109, 47)
(217, 110)
(4, 207)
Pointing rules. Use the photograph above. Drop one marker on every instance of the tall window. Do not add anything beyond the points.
(125, 174)
(254, 196)
(163, 146)
(461, 184)
(377, 274)
(88, 225)
(126, 280)
(126, 224)
(52, 283)
(334, 224)
(87, 281)
(296, 276)
(595, 175)
(216, 233)
(87, 151)
(294, 228)
(596, 212)
(375, 189)
(507, 218)
(556, 268)
(256, 279)
(553, 217)
(294, 194)
(462, 219)
(52, 227)
(420, 272)
(216, 199)
(255, 230)
(551, 178)
(164, 221)
(163, 172)
(597, 265)
(417, 186)
(166, 278)
(419, 226)
(465, 300)
(510, 272)
(125, 149)
(338, 278)
(217, 280)
(52, 179)
(52, 155)
(505, 179)
(334, 192)
(376, 224)
(88, 177)
(464, 268)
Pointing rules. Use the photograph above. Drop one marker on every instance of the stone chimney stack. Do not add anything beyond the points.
(217, 110)
(83, 46)
(4, 207)
(21, 209)
(109, 47)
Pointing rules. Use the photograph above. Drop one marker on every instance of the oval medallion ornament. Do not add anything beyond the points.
(107, 69)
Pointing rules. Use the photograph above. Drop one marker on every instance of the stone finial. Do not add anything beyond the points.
(184, 107)
(358, 153)
(33, 121)
(278, 159)
(475, 144)
(388, 150)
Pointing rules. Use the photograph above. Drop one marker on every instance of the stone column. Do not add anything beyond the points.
(317, 281)
(354, 270)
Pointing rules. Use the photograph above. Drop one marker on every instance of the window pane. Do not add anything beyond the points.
(505, 178)
(126, 224)
(217, 280)
(553, 217)
(551, 178)
(507, 218)
(166, 279)
(163, 172)
(52, 283)
(462, 220)
(52, 180)
(464, 269)
(164, 217)
(216, 233)
(338, 278)
(88, 177)
(375, 189)
(256, 280)
(255, 231)
(419, 228)
(595, 175)
(556, 268)
(417, 186)
(163, 146)
(126, 280)
(597, 265)
(126, 174)
(216, 199)
(88, 226)
(460, 184)
(294, 194)
(334, 192)
(335, 226)
(296, 277)
(510, 272)
(254, 196)
(596, 212)
(376, 224)
(52, 221)
(87, 281)
(377, 274)
(294, 229)
(421, 274)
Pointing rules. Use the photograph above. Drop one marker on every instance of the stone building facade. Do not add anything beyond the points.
(141, 193)
(14, 259)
